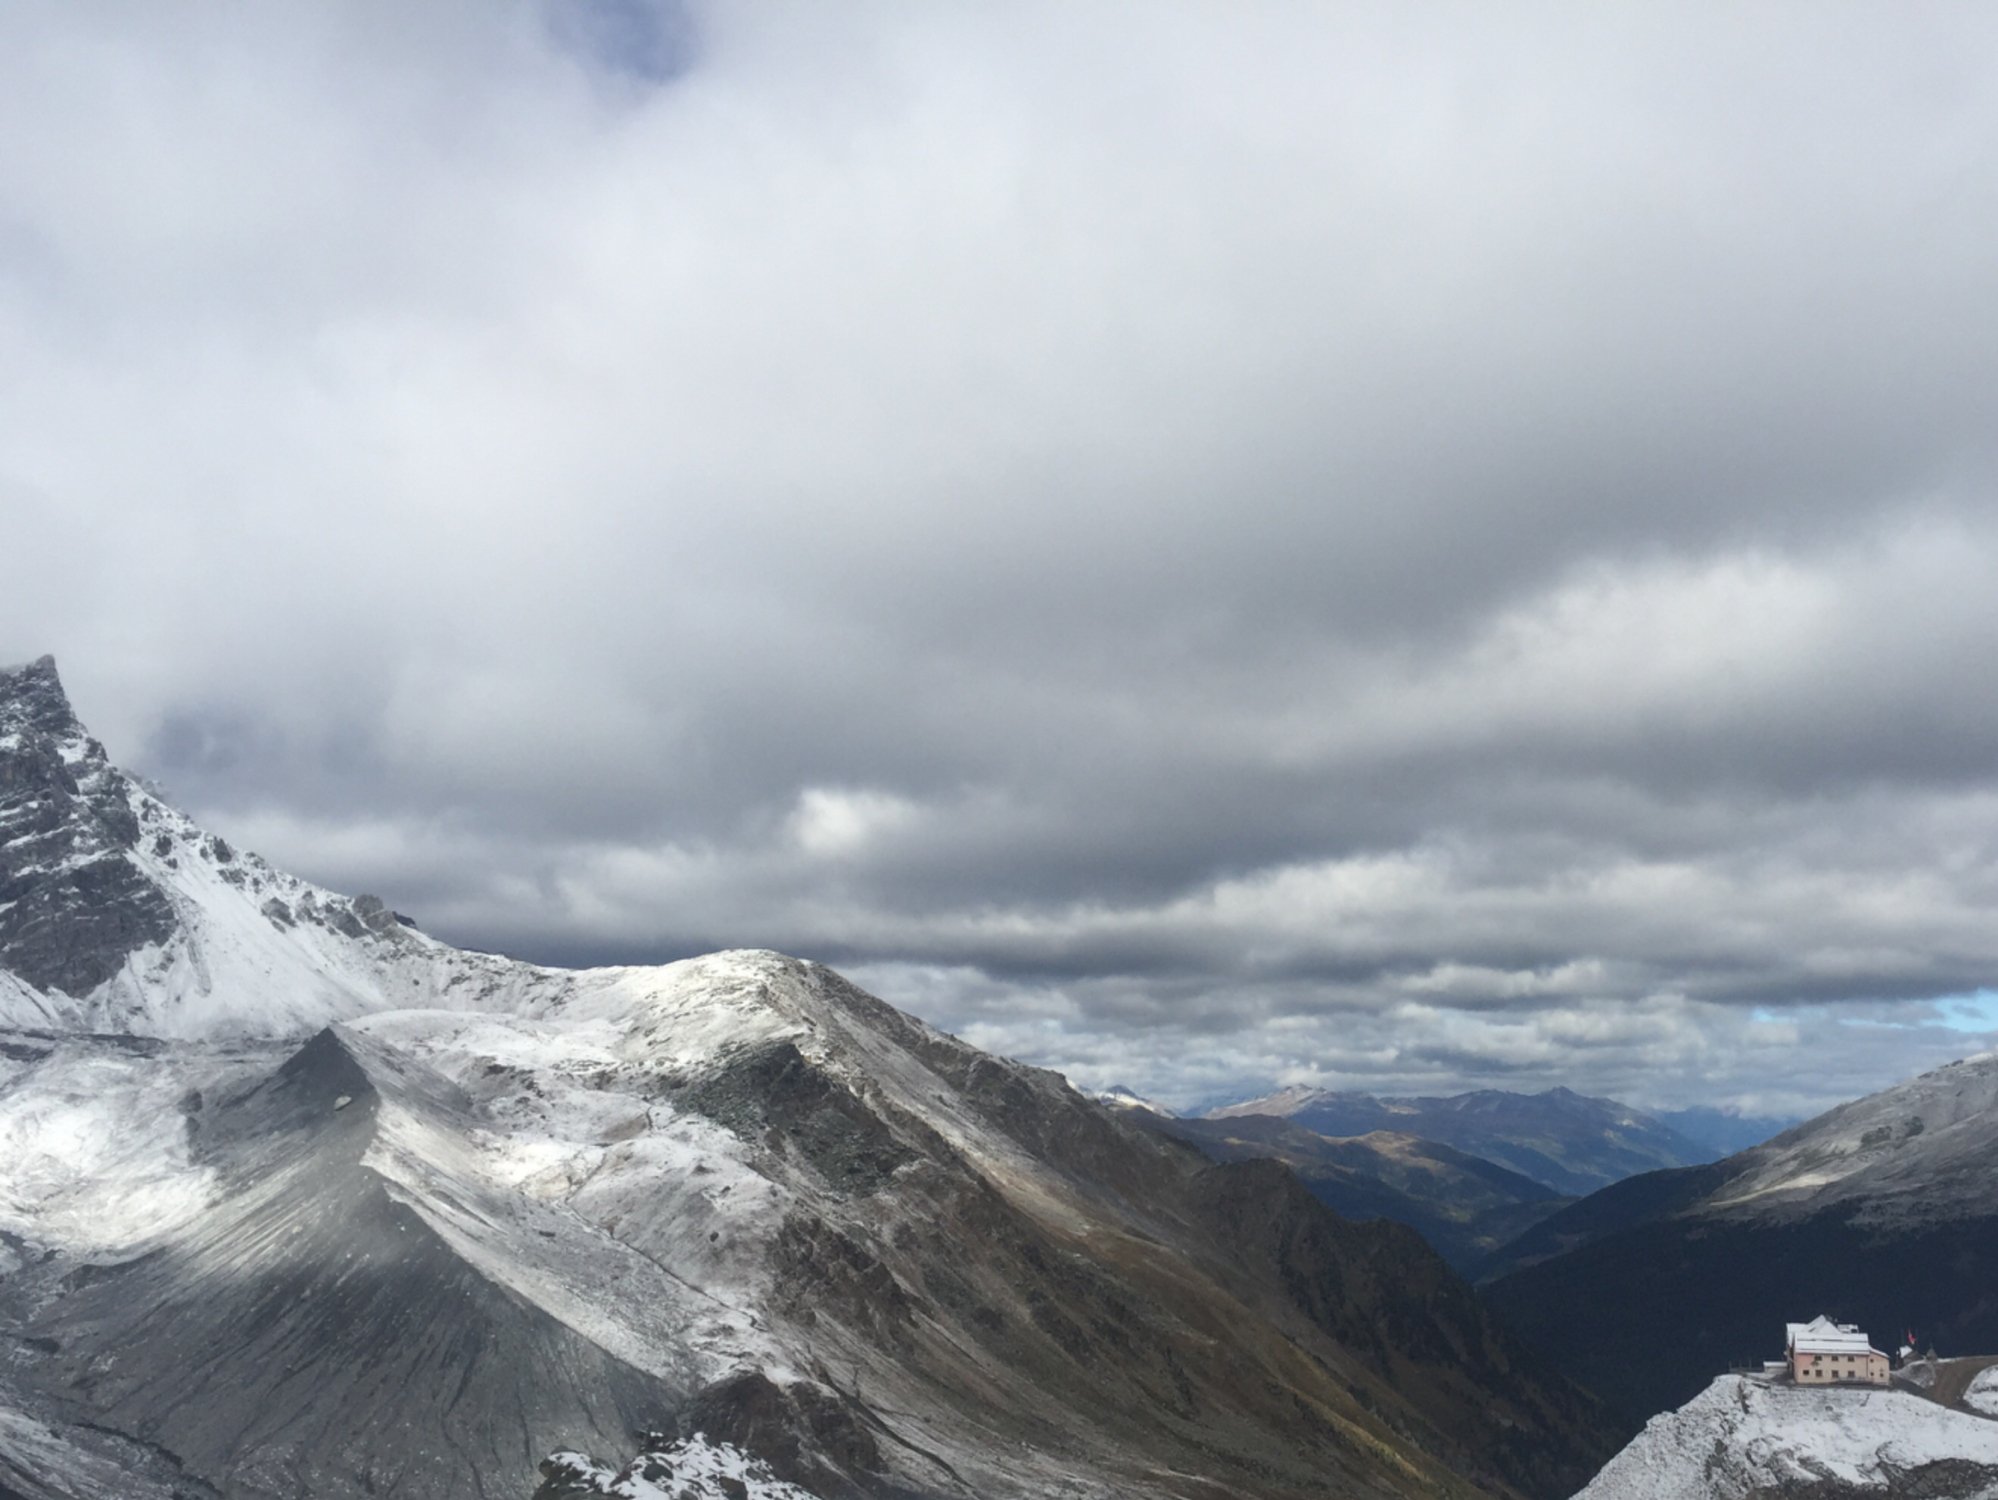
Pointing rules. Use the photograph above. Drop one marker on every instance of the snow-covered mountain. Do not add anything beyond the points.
(1883, 1212)
(1744, 1439)
(1920, 1151)
(1569, 1142)
(296, 1201)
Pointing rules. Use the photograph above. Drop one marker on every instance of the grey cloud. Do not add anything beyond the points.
(1411, 543)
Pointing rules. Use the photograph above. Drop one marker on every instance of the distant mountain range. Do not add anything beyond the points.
(1569, 1142)
(301, 1202)
(1464, 1206)
(1724, 1131)
(1439, 1170)
(1882, 1212)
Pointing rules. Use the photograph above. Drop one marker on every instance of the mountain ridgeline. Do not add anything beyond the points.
(303, 1203)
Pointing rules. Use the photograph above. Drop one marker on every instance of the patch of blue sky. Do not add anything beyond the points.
(652, 41)
(1977, 1011)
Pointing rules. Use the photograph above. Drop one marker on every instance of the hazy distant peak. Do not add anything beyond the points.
(1285, 1101)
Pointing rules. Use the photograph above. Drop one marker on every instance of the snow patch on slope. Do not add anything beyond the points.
(96, 1149)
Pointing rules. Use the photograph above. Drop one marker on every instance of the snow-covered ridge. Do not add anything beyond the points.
(1921, 1148)
(1744, 1438)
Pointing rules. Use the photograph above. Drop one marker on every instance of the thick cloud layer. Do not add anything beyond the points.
(1206, 545)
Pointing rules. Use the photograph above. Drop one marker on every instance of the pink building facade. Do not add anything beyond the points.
(1822, 1352)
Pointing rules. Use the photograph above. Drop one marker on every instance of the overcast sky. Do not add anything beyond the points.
(1394, 546)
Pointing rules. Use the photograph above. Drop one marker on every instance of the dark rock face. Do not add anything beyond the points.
(31, 698)
(72, 929)
(806, 1435)
(73, 907)
(566, 1476)
(773, 1088)
(1948, 1479)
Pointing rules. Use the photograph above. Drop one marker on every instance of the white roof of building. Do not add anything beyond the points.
(1822, 1336)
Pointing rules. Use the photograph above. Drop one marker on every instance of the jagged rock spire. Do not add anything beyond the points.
(32, 698)
(73, 907)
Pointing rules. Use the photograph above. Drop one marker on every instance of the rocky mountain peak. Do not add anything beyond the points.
(32, 700)
(122, 914)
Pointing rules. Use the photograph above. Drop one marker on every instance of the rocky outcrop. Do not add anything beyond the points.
(73, 908)
(803, 1433)
(773, 1090)
(668, 1469)
(1746, 1439)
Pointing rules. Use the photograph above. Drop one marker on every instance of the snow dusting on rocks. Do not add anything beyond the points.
(1981, 1395)
(691, 1469)
(1744, 1439)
